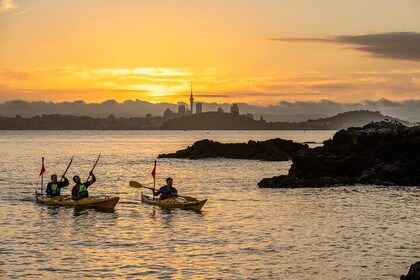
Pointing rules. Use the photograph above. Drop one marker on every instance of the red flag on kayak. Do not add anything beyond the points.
(42, 168)
(154, 171)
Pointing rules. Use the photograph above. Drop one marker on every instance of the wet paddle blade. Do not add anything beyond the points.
(135, 184)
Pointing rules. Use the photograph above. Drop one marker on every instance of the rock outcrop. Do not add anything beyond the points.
(413, 273)
(381, 153)
(270, 150)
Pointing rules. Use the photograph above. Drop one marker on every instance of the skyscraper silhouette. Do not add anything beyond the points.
(191, 101)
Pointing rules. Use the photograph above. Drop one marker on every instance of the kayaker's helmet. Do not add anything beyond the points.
(54, 176)
(76, 179)
(168, 179)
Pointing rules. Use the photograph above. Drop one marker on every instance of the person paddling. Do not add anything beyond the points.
(81, 190)
(166, 191)
(54, 187)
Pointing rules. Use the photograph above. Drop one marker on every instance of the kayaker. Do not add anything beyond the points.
(166, 191)
(81, 190)
(54, 187)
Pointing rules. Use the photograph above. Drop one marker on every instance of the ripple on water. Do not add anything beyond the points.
(243, 232)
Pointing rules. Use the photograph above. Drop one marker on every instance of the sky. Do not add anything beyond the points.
(259, 52)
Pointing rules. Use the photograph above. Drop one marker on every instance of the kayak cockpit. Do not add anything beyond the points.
(188, 203)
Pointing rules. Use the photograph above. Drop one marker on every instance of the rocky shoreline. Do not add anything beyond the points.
(381, 153)
(270, 150)
(413, 273)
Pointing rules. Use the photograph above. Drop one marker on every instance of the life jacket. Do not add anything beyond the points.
(83, 190)
(165, 193)
(55, 190)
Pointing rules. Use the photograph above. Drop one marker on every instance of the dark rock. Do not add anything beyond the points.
(270, 150)
(284, 181)
(413, 273)
(383, 153)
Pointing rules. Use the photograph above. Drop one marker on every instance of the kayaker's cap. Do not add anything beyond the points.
(168, 179)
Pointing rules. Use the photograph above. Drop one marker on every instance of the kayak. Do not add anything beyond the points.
(188, 203)
(87, 202)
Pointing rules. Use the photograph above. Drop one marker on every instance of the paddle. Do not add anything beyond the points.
(68, 166)
(93, 168)
(137, 185)
(64, 174)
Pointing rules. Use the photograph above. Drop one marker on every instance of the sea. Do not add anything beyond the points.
(242, 232)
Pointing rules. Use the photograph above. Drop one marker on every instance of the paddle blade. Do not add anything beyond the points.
(135, 184)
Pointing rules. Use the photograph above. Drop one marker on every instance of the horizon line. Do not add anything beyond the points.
(382, 99)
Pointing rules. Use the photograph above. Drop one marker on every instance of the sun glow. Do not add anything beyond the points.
(150, 50)
(173, 85)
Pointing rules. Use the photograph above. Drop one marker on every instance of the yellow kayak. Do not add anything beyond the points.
(88, 202)
(188, 203)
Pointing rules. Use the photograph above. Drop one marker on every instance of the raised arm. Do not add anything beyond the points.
(64, 183)
(93, 179)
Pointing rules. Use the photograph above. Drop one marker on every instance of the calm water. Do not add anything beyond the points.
(243, 231)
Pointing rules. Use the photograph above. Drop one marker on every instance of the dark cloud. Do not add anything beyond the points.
(303, 110)
(392, 45)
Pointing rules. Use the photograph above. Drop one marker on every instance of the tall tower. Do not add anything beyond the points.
(191, 100)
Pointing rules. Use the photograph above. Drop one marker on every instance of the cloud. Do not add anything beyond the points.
(406, 109)
(391, 45)
(7, 6)
(173, 85)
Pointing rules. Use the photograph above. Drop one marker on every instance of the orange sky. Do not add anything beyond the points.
(150, 50)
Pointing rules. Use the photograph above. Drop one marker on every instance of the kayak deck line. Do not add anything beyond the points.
(104, 202)
(189, 204)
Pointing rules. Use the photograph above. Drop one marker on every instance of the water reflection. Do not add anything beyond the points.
(167, 217)
(242, 233)
(54, 210)
(153, 213)
(80, 212)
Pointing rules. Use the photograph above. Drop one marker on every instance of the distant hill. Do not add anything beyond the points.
(225, 121)
(65, 122)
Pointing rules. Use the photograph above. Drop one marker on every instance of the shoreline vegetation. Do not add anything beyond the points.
(203, 121)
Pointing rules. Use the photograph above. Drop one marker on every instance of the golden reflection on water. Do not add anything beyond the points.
(242, 232)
